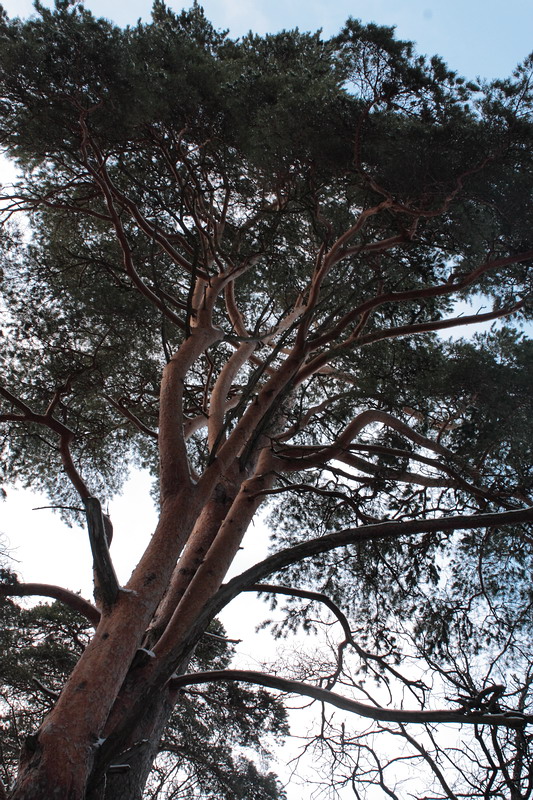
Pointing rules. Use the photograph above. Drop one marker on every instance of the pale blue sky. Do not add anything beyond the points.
(485, 38)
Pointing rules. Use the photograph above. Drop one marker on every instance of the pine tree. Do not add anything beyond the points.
(235, 268)
(39, 648)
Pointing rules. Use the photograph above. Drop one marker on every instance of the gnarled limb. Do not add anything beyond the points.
(506, 720)
(106, 583)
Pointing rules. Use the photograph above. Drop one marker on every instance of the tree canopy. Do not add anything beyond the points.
(234, 263)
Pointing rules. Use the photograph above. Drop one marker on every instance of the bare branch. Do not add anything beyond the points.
(440, 325)
(121, 408)
(65, 596)
(294, 458)
(506, 720)
(48, 692)
(65, 433)
(106, 584)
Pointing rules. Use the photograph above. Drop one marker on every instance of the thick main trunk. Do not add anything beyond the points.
(58, 760)
(140, 752)
(101, 699)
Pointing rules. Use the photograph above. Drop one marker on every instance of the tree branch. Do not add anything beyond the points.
(507, 720)
(439, 325)
(107, 586)
(294, 458)
(324, 544)
(65, 596)
(65, 433)
(133, 418)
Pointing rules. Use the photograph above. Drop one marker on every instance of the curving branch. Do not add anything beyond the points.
(111, 193)
(367, 533)
(70, 599)
(324, 544)
(307, 594)
(129, 265)
(221, 390)
(440, 325)
(514, 720)
(295, 458)
(320, 597)
(337, 252)
(174, 460)
(47, 419)
(317, 364)
(454, 479)
(423, 293)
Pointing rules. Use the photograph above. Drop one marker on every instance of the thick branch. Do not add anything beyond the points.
(174, 462)
(107, 584)
(367, 533)
(221, 390)
(65, 596)
(348, 536)
(209, 576)
(507, 720)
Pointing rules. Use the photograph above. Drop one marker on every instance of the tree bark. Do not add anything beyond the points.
(58, 760)
(140, 753)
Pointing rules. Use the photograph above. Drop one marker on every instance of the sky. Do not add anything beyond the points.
(478, 39)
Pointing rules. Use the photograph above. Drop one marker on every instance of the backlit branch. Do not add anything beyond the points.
(507, 720)
(422, 293)
(295, 458)
(70, 599)
(129, 265)
(440, 325)
(65, 433)
(348, 536)
(111, 191)
(320, 597)
(133, 418)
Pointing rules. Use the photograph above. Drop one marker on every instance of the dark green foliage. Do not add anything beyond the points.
(278, 116)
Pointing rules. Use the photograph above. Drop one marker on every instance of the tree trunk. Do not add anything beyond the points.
(58, 760)
(140, 753)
